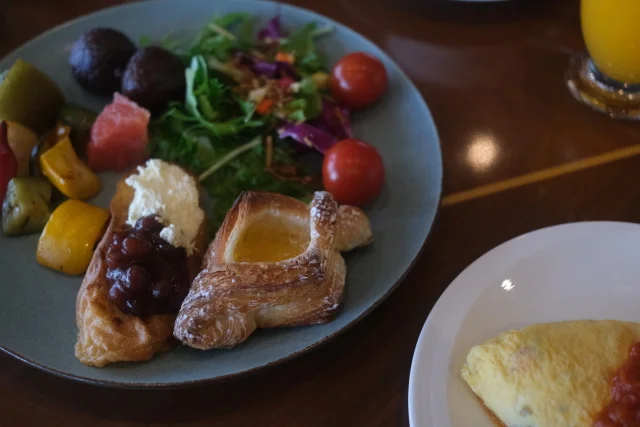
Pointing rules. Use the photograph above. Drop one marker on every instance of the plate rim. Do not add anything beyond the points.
(430, 218)
(419, 359)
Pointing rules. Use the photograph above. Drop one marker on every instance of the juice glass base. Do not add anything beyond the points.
(591, 87)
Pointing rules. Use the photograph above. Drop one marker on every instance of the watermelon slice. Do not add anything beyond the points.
(119, 136)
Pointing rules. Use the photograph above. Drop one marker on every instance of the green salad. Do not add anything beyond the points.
(244, 96)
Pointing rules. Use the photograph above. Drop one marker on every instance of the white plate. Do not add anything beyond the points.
(588, 270)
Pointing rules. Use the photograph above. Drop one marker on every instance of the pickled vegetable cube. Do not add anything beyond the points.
(70, 236)
(26, 206)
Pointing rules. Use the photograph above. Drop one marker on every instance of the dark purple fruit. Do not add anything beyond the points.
(115, 275)
(146, 274)
(118, 295)
(116, 259)
(154, 77)
(136, 279)
(136, 248)
(149, 223)
(169, 252)
(178, 296)
(116, 241)
(98, 59)
(134, 307)
(118, 237)
(162, 289)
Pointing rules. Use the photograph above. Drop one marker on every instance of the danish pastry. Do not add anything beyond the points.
(105, 333)
(274, 262)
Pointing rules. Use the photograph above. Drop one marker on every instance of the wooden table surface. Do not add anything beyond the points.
(493, 77)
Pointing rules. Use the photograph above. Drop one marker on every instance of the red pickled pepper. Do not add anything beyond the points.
(8, 162)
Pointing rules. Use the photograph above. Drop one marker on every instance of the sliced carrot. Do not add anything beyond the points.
(285, 57)
(264, 107)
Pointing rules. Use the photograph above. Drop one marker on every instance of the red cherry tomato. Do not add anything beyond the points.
(358, 80)
(353, 172)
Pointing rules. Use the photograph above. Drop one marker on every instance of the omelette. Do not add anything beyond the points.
(559, 374)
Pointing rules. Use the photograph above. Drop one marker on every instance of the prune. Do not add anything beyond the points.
(154, 77)
(98, 59)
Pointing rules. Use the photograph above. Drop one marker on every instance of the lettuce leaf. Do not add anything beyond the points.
(302, 44)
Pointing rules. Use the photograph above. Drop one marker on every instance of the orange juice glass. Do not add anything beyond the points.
(608, 79)
(611, 30)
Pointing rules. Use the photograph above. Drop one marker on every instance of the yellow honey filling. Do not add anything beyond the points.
(271, 239)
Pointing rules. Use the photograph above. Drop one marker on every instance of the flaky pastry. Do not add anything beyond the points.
(230, 298)
(106, 334)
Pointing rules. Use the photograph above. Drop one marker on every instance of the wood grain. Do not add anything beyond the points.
(493, 77)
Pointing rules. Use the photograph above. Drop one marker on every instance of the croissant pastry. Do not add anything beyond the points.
(274, 262)
(106, 334)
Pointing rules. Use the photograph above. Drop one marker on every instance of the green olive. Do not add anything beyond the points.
(80, 120)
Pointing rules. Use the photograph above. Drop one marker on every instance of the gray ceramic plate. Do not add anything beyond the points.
(37, 306)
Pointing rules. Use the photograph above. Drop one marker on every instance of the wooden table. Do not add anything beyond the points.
(493, 77)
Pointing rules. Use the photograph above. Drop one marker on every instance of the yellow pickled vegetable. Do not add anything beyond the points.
(70, 236)
(21, 140)
(68, 173)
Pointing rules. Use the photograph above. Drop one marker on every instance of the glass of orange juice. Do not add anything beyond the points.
(608, 80)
